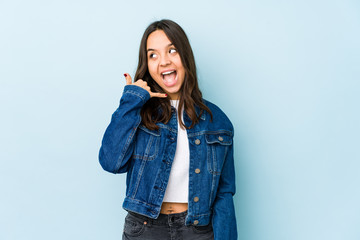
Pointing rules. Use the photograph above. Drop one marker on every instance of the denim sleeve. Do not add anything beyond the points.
(118, 141)
(224, 221)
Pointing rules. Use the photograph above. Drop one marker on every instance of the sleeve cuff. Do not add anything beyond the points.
(137, 91)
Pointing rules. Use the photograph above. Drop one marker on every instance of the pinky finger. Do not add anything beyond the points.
(160, 95)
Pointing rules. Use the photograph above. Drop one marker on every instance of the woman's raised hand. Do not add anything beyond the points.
(143, 84)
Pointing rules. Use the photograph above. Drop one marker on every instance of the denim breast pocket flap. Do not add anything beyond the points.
(219, 138)
(147, 143)
(155, 133)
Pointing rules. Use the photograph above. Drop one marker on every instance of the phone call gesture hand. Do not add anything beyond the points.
(143, 84)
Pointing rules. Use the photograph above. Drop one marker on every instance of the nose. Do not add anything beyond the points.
(164, 61)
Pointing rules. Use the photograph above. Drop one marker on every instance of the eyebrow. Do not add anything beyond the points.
(151, 49)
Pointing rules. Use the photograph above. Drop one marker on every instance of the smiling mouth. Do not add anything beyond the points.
(169, 78)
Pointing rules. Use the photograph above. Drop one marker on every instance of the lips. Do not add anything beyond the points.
(169, 77)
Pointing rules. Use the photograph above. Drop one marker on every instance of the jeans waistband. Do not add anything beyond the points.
(163, 219)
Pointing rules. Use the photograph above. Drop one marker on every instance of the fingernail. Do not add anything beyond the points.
(165, 95)
(125, 74)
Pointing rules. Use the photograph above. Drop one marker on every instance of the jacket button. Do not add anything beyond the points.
(196, 222)
(220, 138)
(196, 199)
(197, 170)
(197, 141)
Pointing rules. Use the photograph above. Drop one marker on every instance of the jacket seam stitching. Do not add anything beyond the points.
(135, 200)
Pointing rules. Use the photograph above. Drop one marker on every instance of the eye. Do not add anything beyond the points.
(152, 55)
(172, 50)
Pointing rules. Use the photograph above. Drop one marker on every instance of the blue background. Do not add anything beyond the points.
(285, 72)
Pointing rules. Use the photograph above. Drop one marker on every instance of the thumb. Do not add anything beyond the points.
(128, 79)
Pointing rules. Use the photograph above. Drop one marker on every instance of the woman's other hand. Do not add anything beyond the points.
(143, 84)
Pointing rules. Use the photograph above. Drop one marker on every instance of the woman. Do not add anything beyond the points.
(175, 146)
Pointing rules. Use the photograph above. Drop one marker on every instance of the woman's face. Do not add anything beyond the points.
(164, 63)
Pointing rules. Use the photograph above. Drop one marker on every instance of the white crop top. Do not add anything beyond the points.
(178, 186)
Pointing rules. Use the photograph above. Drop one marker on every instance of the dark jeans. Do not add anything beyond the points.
(165, 227)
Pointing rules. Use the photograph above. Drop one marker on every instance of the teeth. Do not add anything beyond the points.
(165, 73)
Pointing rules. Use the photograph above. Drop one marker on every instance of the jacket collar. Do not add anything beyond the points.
(186, 117)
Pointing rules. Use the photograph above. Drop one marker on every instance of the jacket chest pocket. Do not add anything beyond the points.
(147, 143)
(217, 145)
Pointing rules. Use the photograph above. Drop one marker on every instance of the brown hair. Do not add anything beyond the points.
(190, 94)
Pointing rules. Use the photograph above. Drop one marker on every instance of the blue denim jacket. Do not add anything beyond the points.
(146, 155)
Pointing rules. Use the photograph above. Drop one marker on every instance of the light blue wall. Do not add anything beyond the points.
(286, 73)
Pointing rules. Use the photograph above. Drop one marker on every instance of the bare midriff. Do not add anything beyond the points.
(171, 207)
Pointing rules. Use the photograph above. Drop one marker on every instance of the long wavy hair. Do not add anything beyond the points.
(190, 94)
